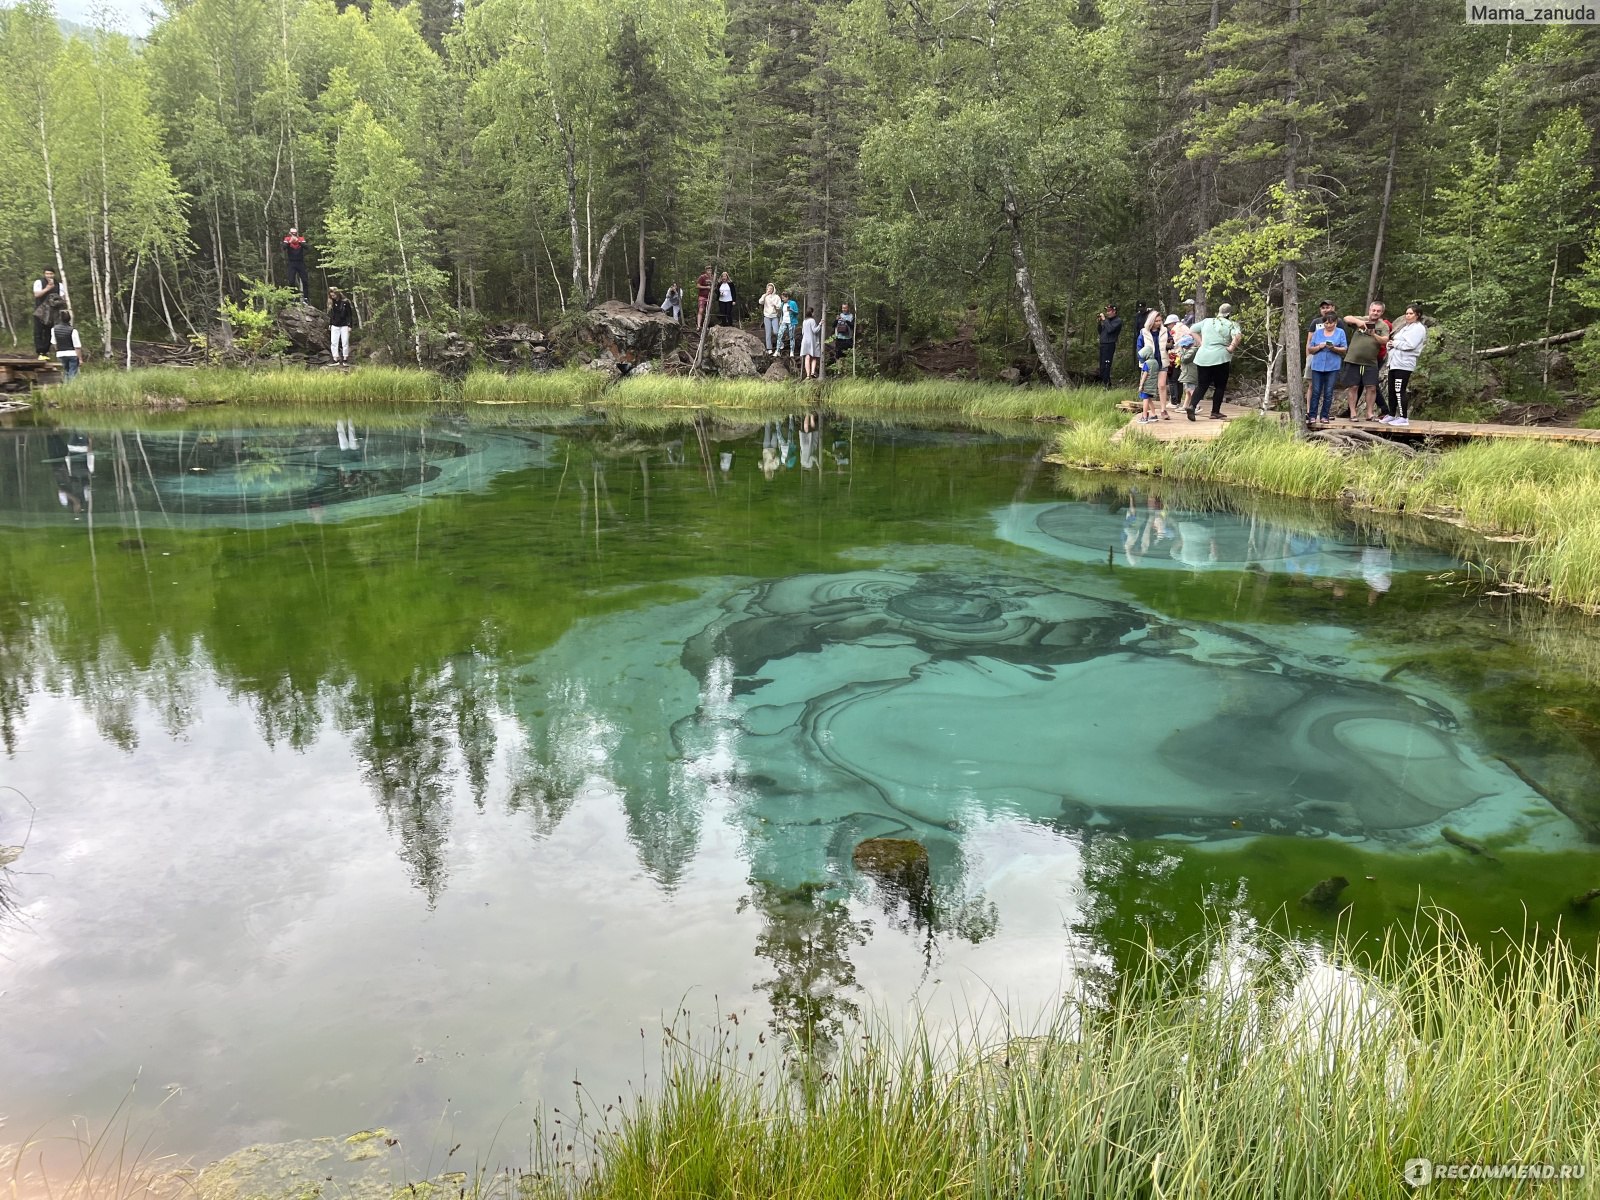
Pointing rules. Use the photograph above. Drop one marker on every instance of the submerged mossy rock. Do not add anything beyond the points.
(897, 862)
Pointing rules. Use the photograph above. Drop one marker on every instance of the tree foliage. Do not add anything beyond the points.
(1009, 165)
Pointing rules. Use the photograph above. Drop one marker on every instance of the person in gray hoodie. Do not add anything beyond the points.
(1405, 346)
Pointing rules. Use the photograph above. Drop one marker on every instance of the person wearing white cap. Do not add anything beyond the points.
(1169, 360)
(1219, 338)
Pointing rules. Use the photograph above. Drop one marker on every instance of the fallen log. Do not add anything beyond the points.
(1555, 339)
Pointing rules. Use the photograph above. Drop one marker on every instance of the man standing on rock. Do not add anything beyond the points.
(704, 286)
(294, 249)
(1110, 328)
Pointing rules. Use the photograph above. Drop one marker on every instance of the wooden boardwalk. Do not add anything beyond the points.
(20, 372)
(1180, 428)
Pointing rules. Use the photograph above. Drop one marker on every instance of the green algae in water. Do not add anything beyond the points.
(595, 720)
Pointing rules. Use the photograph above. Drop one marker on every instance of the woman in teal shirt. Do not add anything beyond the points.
(1219, 338)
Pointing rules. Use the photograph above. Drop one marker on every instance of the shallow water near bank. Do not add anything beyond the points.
(383, 774)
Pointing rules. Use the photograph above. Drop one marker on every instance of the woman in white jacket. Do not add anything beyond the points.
(1405, 344)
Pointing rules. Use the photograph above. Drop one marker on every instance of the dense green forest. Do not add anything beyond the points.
(1007, 166)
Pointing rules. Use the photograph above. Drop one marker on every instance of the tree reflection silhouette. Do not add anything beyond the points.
(400, 733)
(807, 934)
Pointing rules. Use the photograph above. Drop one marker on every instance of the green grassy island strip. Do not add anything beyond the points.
(1543, 499)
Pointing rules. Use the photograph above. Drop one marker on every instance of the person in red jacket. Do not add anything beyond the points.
(704, 285)
(294, 249)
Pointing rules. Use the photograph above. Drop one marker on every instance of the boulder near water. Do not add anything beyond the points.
(632, 333)
(734, 352)
(305, 327)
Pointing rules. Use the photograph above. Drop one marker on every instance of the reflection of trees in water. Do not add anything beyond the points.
(400, 732)
(576, 740)
(807, 934)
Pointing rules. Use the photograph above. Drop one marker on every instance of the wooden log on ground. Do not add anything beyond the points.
(1555, 339)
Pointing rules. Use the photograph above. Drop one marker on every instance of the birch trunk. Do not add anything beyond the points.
(1037, 333)
(411, 298)
(1290, 332)
(133, 287)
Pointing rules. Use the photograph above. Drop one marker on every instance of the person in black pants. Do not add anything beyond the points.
(47, 298)
(1110, 328)
(294, 249)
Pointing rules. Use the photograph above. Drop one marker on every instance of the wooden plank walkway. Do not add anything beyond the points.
(1180, 428)
(19, 372)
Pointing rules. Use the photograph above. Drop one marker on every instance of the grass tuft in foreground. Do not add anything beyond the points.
(1252, 1068)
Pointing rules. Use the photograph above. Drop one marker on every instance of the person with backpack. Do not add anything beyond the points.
(1219, 337)
(67, 343)
(789, 325)
(844, 332)
(47, 298)
(341, 317)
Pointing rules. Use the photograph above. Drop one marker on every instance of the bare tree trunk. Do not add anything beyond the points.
(598, 265)
(50, 197)
(1208, 167)
(1383, 212)
(1549, 311)
(127, 361)
(1291, 265)
(639, 297)
(1037, 333)
(411, 299)
(166, 312)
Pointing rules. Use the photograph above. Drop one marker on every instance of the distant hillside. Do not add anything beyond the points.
(79, 29)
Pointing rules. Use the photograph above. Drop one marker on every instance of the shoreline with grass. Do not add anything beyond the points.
(1538, 503)
(1240, 1065)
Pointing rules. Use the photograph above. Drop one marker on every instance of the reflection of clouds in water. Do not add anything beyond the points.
(259, 478)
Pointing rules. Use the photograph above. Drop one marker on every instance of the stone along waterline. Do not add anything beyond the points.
(387, 776)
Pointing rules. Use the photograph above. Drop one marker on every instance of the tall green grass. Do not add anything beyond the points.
(567, 388)
(1545, 494)
(1248, 1070)
(162, 386)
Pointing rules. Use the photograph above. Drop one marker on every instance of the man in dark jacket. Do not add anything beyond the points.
(294, 249)
(1110, 328)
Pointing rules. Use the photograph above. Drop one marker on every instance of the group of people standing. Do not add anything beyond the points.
(784, 332)
(1181, 360)
(1345, 354)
